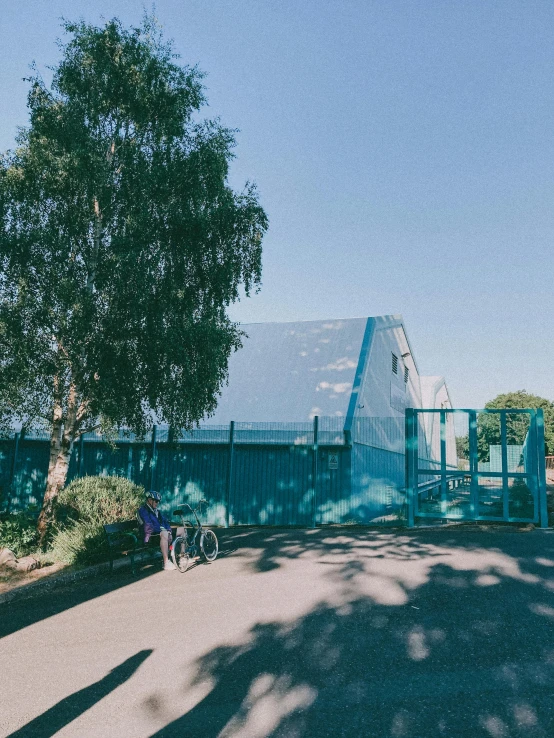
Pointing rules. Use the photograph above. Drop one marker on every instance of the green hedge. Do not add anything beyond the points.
(83, 508)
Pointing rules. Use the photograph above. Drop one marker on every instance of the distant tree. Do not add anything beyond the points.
(488, 426)
(462, 447)
(121, 246)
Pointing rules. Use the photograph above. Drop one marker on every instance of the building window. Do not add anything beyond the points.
(394, 364)
(406, 374)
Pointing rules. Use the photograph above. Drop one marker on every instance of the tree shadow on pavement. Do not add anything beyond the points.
(456, 646)
(21, 613)
(24, 612)
(68, 709)
(266, 549)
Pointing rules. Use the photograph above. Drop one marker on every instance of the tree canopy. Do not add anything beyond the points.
(517, 425)
(488, 427)
(121, 243)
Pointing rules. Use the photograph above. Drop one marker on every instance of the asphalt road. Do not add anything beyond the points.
(337, 632)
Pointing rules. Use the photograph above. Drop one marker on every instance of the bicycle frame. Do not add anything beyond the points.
(198, 529)
(192, 541)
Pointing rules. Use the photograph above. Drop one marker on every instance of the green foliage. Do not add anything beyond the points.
(79, 543)
(99, 500)
(83, 508)
(18, 533)
(462, 447)
(121, 242)
(488, 426)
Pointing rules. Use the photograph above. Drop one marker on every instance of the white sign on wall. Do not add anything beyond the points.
(333, 461)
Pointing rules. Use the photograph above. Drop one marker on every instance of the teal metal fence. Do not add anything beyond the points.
(493, 479)
(301, 474)
(252, 473)
(315, 473)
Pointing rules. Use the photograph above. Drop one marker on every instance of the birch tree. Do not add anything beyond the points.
(121, 246)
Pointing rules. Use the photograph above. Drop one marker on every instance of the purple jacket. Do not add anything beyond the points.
(150, 523)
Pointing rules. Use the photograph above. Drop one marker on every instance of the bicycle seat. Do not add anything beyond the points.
(180, 511)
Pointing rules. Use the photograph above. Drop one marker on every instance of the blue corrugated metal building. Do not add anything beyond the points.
(309, 430)
(356, 376)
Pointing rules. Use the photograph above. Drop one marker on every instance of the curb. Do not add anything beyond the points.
(34, 589)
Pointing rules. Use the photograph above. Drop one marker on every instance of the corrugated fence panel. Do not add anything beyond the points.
(139, 466)
(104, 460)
(188, 473)
(272, 486)
(290, 434)
(378, 479)
(6, 457)
(272, 480)
(333, 486)
(30, 474)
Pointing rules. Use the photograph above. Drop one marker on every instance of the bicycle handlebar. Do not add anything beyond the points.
(186, 504)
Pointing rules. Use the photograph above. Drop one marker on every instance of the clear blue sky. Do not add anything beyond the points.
(404, 152)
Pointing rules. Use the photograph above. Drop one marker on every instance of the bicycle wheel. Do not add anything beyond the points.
(179, 554)
(209, 545)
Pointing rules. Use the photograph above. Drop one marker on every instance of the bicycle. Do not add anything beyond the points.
(185, 547)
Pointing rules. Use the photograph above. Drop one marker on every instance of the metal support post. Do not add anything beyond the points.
(81, 455)
(444, 498)
(505, 480)
(315, 471)
(473, 463)
(130, 460)
(411, 463)
(228, 517)
(153, 458)
(12, 471)
(543, 510)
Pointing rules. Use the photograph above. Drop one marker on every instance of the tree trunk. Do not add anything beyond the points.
(55, 482)
(61, 445)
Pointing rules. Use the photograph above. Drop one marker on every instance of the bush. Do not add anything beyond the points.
(86, 505)
(99, 500)
(18, 532)
(79, 543)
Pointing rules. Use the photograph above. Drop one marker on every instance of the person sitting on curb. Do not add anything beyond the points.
(154, 523)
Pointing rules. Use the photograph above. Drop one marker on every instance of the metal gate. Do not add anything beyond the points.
(476, 465)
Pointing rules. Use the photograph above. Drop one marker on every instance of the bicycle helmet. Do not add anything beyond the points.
(153, 495)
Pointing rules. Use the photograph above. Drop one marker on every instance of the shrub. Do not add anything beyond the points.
(18, 533)
(99, 500)
(83, 508)
(79, 543)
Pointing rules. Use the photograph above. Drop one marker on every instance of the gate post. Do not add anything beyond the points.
(411, 468)
(473, 463)
(444, 495)
(228, 520)
(315, 471)
(505, 480)
(543, 510)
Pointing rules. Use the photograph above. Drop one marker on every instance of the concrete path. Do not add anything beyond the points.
(337, 632)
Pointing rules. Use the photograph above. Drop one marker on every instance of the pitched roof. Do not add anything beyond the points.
(292, 371)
